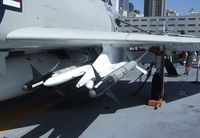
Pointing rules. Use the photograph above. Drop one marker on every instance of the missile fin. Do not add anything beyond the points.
(59, 92)
(140, 68)
(54, 67)
(110, 94)
(36, 73)
(97, 76)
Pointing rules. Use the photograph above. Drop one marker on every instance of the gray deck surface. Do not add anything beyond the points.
(47, 114)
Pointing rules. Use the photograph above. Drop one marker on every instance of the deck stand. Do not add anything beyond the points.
(197, 75)
(156, 103)
(157, 87)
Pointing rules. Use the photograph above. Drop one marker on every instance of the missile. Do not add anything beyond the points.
(111, 79)
(103, 86)
(55, 78)
(64, 75)
(35, 83)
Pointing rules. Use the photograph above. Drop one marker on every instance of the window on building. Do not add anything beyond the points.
(126, 25)
(181, 19)
(161, 19)
(152, 19)
(191, 24)
(143, 25)
(161, 25)
(143, 20)
(191, 31)
(192, 19)
(152, 31)
(199, 30)
(172, 19)
(171, 24)
(135, 20)
(153, 25)
(180, 31)
(127, 20)
(181, 24)
(134, 31)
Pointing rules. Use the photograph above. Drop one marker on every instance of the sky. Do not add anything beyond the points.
(181, 6)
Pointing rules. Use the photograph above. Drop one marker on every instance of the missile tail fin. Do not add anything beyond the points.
(36, 73)
(140, 68)
(97, 76)
(110, 94)
(54, 67)
(59, 92)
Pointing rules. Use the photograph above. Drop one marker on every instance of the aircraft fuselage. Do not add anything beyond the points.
(15, 70)
(68, 14)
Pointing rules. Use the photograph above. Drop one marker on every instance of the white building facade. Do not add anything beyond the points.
(173, 24)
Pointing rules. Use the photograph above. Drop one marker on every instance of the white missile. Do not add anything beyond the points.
(103, 85)
(64, 75)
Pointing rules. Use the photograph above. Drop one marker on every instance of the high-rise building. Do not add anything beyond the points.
(131, 7)
(124, 5)
(154, 8)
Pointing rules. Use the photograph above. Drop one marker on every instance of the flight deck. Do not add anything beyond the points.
(48, 114)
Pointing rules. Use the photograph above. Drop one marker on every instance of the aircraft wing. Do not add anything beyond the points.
(41, 37)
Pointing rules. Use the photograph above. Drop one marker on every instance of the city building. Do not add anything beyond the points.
(154, 7)
(173, 24)
(131, 7)
(172, 13)
(195, 13)
(124, 7)
(135, 13)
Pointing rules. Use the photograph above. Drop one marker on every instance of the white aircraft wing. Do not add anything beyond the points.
(40, 37)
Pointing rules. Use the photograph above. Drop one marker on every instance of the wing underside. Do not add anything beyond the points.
(38, 37)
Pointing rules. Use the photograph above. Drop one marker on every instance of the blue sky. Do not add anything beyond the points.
(182, 6)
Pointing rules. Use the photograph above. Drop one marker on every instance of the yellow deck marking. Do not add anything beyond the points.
(3, 132)
(25, 110)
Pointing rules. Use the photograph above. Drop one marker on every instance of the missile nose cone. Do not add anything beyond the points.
(92, 93)
(49, 83)
(25, 88)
